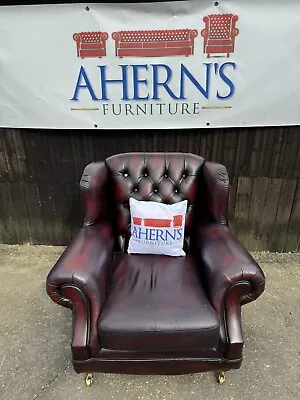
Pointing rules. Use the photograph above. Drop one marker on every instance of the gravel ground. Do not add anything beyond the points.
(35, 357)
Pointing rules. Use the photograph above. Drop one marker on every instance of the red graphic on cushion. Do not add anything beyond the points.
(137, 221)
(219, 34)
(177, 221)
(155, 43)
(91, 44)
(159, 222)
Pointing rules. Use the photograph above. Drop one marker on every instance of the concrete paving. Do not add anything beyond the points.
(35, 341)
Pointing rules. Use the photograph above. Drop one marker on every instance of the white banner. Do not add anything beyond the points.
(182, 64)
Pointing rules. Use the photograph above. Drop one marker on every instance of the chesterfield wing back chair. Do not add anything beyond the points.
(154, 314)
(219, 34)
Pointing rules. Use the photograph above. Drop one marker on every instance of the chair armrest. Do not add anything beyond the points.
(232, 278)
(204, 33)
(225, 262)
(80, 279)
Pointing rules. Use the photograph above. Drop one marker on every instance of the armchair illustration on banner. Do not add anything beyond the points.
(91, 44)
(219, 34)
(155, 314)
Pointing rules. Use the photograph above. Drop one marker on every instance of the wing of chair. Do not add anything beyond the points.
(150, 313)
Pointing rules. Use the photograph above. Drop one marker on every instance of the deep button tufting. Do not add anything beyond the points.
(145, 174)
(166, 172)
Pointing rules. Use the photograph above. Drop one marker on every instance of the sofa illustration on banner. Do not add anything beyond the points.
(176, 222)
(219, 34)
(155, 43)
(91, 44)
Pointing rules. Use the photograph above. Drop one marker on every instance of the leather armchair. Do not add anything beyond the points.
(150, 313)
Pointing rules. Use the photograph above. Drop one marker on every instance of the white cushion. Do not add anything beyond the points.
(157, 228)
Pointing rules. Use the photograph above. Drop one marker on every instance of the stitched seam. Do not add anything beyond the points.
(160, 332)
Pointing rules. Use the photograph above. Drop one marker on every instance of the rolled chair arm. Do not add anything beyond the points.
(235, 32)
(231, 276)
(225, 262)
(77, 37)
(104, 36)
(116, 36)
(193, 33)
(80, 280)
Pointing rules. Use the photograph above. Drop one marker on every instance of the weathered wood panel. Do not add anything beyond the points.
(241, 209)
(40, 171)
(269, 213)
(292, 241)
(256, 211)
(284, 213)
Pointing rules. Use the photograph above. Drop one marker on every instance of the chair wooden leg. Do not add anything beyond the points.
(89, 379)
(221, 377)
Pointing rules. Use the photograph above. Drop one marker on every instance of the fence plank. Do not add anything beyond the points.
(257, 204)
(20, 213)
(255, 153)
(38, 162)
(296, 171)
(242, 205)
(291, 151)
(3, 161)
(285, 205)
(269, 213)
(4, 216)
(263, 152)
(11, 157)
(230, 151)
(292, 240)
(38, 233)
(12, 233)
(62, 157)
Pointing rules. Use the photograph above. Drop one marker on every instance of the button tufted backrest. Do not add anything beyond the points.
(162, 177)
(155, 35)
(220, 25)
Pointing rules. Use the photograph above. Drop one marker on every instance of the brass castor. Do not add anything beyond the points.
(89, 379)
(221, 377)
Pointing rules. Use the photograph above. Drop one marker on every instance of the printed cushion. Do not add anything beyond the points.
(157, 228)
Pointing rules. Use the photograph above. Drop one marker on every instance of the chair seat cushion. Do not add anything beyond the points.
(157, 303)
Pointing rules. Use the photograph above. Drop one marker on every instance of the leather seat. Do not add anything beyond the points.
(157, 303)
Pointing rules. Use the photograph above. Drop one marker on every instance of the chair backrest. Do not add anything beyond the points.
(220, 26)
(154, 35)
(162, 177)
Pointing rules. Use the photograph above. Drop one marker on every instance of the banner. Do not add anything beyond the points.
(179, 64)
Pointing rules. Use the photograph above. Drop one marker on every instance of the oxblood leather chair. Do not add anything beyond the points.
(150, 314)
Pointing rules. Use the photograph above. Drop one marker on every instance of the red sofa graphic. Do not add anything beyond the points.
(155, 43)
(91, 44)
(219, 34)
(159, 222)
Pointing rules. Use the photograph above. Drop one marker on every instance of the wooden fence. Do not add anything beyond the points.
(40, 171)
